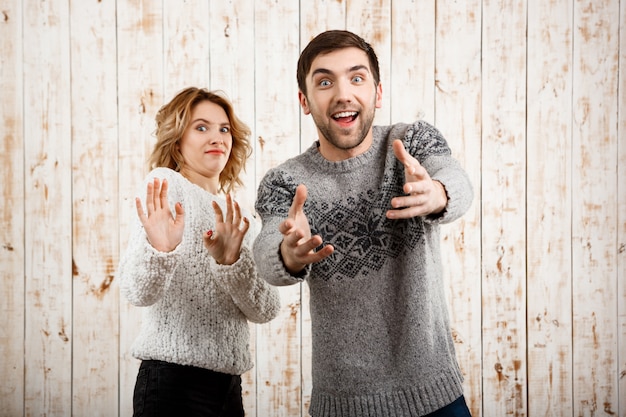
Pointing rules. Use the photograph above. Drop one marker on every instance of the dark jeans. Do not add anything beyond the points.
(457, 408)
(166, 389)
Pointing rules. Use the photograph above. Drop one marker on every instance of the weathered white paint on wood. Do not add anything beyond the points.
(231, 42)
(458, 117)
(549, 208)
(371, 19)
(503, 208)
(594, 208)
(279, 391)
(526, 94)
(95, 250)
(140, 95)
(332, 16)
(317, 17)
(410, 94)
(621, 218)
(47, 209)
(12, 236)
(186, 44)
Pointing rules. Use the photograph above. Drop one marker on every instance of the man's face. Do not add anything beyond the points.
(342, 98)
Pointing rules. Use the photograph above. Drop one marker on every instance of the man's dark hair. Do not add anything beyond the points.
(330, 41)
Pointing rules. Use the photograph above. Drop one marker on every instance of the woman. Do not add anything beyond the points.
(189, 263)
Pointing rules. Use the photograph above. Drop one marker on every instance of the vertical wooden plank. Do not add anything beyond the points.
(11, 211)
(279, 390)
(315, 17)
(549, 207)
(371, 19)
(503, 208)
(48, 209)
(411, 94)
(594, 207)
(231, 69)
(458, 116)
(621, 215)
(94, 194)
(186, 45)
(140, 95)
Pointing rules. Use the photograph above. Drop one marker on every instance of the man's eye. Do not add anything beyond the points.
(358, 79)
(324, 83)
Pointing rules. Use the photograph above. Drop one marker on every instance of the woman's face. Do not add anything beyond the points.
(206, 145)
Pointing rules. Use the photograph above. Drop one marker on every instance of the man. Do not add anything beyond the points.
(357, 216)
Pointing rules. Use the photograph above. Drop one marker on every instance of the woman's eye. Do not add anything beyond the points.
(201, 128)
(225, 129)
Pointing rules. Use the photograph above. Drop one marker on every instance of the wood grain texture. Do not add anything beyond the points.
(457, 112)
(94, 193)
(12, 235)
(503, 208)
(371, 19)
(140, 95)
(47, 209)
(621, 217)
(315, 19)
(528, 94)
(231, 48)
(186, 45)
(279, 361)
(410, 93)
(549, 208)
(594, 208)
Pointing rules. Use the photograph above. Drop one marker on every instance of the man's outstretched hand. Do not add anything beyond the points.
(298, 246)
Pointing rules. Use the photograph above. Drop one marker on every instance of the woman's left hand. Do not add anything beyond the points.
(224, 243)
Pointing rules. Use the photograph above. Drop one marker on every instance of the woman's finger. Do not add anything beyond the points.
(219, 216)
(150, 198)
(229, 209)
(237, 217)
(163, 195)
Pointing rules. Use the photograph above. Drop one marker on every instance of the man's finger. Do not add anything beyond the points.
(298, 200)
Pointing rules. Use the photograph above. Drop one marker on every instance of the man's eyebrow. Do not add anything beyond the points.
(359, 67)
(320, 71)
(329, 72)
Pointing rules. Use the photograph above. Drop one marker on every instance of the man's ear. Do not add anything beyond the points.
(304, 103)
(379, 95)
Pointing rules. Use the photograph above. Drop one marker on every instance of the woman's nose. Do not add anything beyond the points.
(216, 138)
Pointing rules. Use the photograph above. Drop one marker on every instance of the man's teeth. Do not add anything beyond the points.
(345, 114)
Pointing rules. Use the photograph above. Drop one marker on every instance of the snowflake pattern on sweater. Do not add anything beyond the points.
(381, 334)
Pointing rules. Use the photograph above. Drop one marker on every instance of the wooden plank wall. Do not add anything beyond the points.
(531, 95)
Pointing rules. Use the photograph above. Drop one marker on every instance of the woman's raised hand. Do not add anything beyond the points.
(224, 243)
(164, 231)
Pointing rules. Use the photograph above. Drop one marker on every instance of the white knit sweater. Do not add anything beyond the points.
(196, 311)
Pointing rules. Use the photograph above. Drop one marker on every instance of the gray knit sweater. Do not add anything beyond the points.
(196, 311)
(381, 335)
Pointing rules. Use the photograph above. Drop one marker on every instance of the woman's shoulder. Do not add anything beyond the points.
(163, 173)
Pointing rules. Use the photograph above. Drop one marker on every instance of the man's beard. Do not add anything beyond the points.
(338, 140)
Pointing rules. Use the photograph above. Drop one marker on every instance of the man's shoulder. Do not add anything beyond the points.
(401, 129)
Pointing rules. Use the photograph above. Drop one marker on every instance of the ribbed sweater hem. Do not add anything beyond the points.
(411, 401)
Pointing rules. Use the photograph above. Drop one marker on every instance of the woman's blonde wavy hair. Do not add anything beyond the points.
(172, 120)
